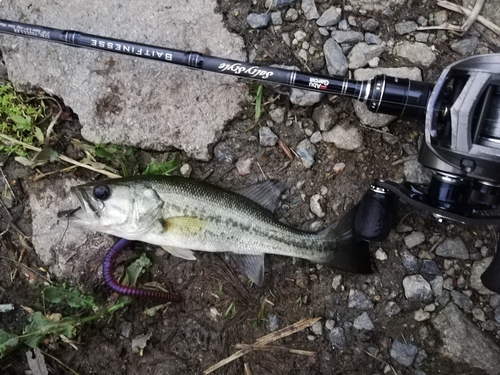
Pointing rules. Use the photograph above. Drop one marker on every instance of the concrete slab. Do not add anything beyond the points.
(127, 100)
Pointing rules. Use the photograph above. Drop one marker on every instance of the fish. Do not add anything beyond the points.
(183, 215)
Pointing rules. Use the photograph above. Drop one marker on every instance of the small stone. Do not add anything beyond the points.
(406, 27)
(362, 53)
(324, 116)
(337, 281)
(417, 288)
(343, 25)
(347, 36)
(422, 21)
(344, 138)
(461, 300)
(417, 53)
(363, 322)
(338, 168)
(305, 98)
(495, 301)
(300, 36)
(380, 254)
(316, 137)
(430, 307)
(410, 261)
(403, 228)
(267, 137)
(315, 205)
(422, 37)
(478, 314)
(453, 248)
(276, 18)
(186, 170)
(444, 298)
(258, 21)
(330, 17)
(370, 25)
(306, 152)
(272, 323)
(323, 190)
(414, 239)
(244, 166)
(372, 39)
(421, 315)
(437, 285)
(316, 226)
(324, 31)
(317, 328)
(416, 173)
(359, 300)
(497, 315)
(430, 268)
(310, 10)
(478, 268)
(440, 17)
(336, 62)
(329, 324)
(126, 329)
(337, 338)
(291, 15)
(404, 354)
(392, 308)
(311, 337)
(465, 46)
(277, 115)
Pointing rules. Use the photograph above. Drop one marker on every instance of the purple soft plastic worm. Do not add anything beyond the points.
(107, 270)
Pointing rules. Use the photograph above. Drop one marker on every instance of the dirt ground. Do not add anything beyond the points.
(188, 338)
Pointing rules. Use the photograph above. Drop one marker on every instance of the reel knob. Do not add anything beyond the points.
(373, 219)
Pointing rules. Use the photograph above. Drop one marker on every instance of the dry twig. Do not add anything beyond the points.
(264, 340)
(61, 157)
(456, 8)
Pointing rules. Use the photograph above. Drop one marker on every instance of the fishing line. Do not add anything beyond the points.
(67, 214)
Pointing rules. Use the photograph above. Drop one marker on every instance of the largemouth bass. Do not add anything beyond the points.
(182, 215)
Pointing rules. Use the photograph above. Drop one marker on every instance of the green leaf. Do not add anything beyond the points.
(8, 341)
(40, 326)
(73, 297)
(39, 134)
(102, 151)
(137, 268)
(163, 168)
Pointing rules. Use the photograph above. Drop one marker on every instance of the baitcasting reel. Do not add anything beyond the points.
(461, 148)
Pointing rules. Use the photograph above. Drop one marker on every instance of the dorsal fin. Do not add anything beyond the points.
(266, 193)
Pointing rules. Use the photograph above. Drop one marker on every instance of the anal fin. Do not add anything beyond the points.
(180, 252)
(252, 266)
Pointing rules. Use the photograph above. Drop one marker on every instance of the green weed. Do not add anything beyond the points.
(20, 118)
(164, 168)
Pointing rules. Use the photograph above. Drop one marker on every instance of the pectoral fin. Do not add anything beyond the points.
(179, 252)
(252, 266)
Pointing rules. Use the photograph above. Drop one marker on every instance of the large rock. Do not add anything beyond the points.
(416, 53)
(123, 99)
(67, 250)
(464, 342)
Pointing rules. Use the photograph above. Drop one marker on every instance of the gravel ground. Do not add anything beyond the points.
(424, 311)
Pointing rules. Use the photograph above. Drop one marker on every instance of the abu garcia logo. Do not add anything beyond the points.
(240, 69)
(319, 83)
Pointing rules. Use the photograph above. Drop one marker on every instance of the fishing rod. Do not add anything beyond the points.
(382, 94)
(462, 127)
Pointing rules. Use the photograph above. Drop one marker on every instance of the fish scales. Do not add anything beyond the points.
(233, 223)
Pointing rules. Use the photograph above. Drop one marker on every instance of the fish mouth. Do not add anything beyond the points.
(79, 213)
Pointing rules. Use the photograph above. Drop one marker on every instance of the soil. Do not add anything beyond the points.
(189, 337)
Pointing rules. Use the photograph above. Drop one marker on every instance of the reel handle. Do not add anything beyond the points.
(373, 219)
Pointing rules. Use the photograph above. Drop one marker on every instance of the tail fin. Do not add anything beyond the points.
(345, 251)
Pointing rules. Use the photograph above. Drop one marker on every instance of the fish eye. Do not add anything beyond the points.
(102, 192)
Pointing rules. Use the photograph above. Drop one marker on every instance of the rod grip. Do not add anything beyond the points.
(373, 220)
